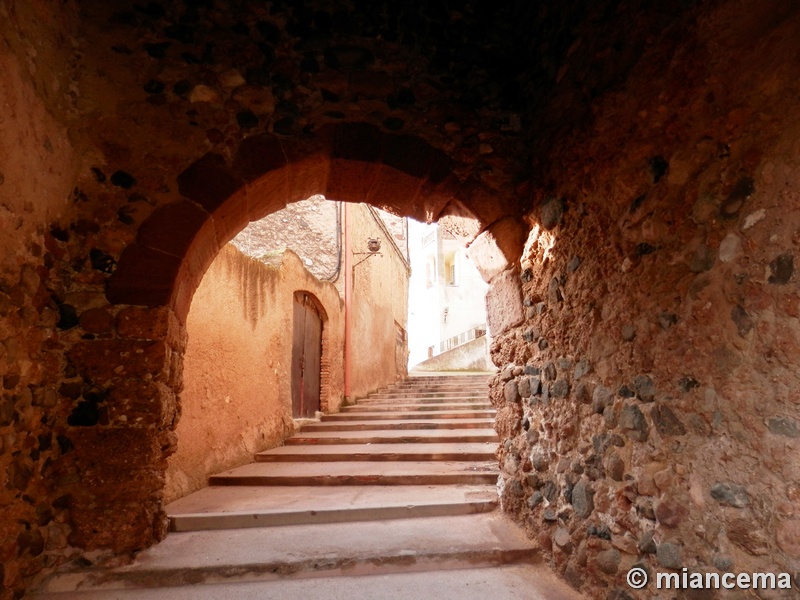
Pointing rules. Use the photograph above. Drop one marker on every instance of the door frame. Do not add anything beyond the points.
(303, 298)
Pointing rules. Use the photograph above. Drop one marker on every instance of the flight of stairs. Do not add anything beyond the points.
(398, 489)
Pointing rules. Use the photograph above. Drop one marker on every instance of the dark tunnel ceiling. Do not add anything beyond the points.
(504, 55)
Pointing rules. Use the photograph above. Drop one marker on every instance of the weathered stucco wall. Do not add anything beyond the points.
(472, 356)
(314, 230)
(308, 228)
(649, 404)
(237, 368)
(379, 305)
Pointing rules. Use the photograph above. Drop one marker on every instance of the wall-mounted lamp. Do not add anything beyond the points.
(373, 247)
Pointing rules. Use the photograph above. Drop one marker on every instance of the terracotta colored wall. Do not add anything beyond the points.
(309, 228)
(237, 367)
(380, 298)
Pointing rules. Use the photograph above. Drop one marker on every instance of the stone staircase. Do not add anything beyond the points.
(392, 497)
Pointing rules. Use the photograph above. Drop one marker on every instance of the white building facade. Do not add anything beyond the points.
(447, 296)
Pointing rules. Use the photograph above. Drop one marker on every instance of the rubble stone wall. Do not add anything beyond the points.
(38, 164)
(648, 400)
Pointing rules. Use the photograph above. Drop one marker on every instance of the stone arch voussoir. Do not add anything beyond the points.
(354, 162)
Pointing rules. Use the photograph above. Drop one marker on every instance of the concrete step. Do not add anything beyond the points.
(468, 388)
(361, 472)
(398, 424)
(233, 507)
(429, 402)
(435, 388)
(444, 396)
(511, 582)
(272, 553)
(481, 405)
(440, 387)
(411, 399)
(407, 415)
(405, 436)
(431, 391)
(380, 452)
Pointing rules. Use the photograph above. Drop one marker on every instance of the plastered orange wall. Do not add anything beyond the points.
(237, 385)
(380, 299)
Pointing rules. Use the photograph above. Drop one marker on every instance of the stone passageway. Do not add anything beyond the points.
(625, 175)
(392, 497)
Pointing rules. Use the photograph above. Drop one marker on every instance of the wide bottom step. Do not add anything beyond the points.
(269, 553)
(531, 582)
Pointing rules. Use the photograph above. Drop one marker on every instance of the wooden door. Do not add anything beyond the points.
(306, 357)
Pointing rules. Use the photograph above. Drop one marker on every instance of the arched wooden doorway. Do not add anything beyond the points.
(306, 355)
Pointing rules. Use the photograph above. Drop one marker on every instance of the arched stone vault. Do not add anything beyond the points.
(648, 399)
(354, 162)
(162, 260)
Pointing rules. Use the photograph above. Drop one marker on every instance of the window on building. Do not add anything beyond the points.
(451, 269)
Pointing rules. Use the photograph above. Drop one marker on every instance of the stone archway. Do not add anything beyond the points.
(350, 162)
(658, 144)
(151, 289)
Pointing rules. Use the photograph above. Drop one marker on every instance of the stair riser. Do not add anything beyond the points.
(414, 407)
(468, 389)
(413, 398)
(464, 438)
(448, 404)
(444, 479)
(433, 393)
(473, 379)
(428, 392)
(488, 455)
(446, 379)
(207, 522)
(367, 416)
(378, 426)
(438, 386)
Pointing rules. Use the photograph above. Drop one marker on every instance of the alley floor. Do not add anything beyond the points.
(393, 497)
